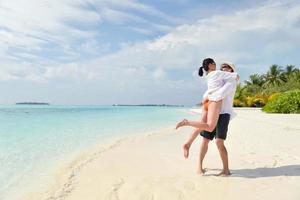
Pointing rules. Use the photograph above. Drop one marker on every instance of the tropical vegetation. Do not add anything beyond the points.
(277, 91)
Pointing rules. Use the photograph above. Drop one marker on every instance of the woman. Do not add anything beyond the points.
(211, 108)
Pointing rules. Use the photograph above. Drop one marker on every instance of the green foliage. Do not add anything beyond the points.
(238, 103)
(257, 100)
(274, 76)
(259, 90)
(239, 93)
(273, 96)
(287, 102)
(255, 79)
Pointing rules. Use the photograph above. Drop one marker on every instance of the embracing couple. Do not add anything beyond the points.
(216, 111)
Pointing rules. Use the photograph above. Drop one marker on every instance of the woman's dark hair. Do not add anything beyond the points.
(205, 64)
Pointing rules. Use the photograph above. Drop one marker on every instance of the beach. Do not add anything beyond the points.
(37, 141)
(264, 156)
(92, 92)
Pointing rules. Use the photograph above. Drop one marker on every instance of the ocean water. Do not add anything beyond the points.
(34, 139)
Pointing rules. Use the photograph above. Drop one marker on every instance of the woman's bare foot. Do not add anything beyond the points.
(201, 171)
(224, 173)
(182, 123)
(186, 148)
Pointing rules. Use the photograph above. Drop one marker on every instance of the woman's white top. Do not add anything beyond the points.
(221, 86)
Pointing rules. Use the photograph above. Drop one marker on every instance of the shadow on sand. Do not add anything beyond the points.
(289, 170)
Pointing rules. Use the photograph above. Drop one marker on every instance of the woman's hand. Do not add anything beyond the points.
(204, 100)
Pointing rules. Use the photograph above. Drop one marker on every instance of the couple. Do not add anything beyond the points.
(216, 112)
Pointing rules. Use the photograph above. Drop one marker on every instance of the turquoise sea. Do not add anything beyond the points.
(35, 139)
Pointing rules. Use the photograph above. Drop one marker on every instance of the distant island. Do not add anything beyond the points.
(32, 103)
(161, 105)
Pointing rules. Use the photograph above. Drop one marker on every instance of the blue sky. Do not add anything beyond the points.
(130, 51)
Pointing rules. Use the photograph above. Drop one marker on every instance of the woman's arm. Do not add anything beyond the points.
(228, 75)
(230, 79)
(227, 88)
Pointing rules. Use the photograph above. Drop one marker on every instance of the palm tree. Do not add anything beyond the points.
(239, 93)
(255, 79)
(274, 76)
(289, 69)
(295, 76)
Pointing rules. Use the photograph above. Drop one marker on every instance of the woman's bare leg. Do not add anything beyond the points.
(187, 145)
(195, 133)
(212, 118)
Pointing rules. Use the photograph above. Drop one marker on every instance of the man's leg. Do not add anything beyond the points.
(203, 151)
(221, 134)
(224, 156)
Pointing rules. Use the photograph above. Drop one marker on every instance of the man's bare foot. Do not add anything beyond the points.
(224, 173)
(186, 148)
(201, 171)
(182, 123)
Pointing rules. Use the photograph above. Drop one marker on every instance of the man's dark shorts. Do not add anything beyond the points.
(220, 130)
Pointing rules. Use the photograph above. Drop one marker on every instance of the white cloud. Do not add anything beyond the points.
(147, 9)
(33, 26)
(159, 74)
(255, 37)
(222, 37)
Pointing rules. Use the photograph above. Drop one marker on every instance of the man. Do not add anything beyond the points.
(226, 93)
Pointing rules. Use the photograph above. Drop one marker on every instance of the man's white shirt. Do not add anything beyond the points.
(224, 89)
(226, 93)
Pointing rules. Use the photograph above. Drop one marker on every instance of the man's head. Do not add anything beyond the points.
(228, 67)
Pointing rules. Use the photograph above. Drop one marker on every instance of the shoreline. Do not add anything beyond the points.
(54, 137)
(66, 173)
(119, 170)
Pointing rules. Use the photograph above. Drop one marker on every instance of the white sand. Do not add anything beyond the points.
(264, 160)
